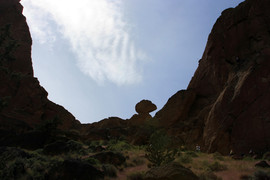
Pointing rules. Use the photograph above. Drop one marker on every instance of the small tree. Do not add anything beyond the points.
(159, 151)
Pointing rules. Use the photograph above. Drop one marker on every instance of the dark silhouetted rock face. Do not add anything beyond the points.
(226, 105)
(15, 41)
(134, 130)
(23, 102)
(145, 106)
(106, 129)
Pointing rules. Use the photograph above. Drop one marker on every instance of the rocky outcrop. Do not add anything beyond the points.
(136, 129)
(226, 105)
(262, 164)
(143, 108)
(106, 129)
(23, 102)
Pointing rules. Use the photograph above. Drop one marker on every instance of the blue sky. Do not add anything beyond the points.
(98, 58)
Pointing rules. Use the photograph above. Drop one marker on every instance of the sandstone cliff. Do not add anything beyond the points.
(23, 102)
(226, 105)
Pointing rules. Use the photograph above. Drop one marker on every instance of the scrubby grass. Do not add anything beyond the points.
(208, 176)
(192, 154)
(138, 161)
(109, 170)
(218, 156)
(216, 166)
(135, 176)
(184, 159)
(21, 164)
(115, 145)
(18, 163)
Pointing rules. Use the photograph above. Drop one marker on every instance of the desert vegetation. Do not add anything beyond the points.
(118, 159)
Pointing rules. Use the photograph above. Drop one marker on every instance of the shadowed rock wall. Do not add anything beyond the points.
(23, 102)
(226, 105)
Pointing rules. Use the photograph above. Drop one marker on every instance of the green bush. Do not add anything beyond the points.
(109, 170)
(14, 170)
(92, 161)
(21, 164)
(75, 146)
(191, 154)
(115, 145)
(185, 159)
(261, 175)
(158, 151)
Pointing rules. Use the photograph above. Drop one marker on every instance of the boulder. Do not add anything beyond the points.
(106, 129)
(266, 156)
(75, 169)
(61, 147)
(139, 119)
(145, 106)
(262, 164)
(170, 171)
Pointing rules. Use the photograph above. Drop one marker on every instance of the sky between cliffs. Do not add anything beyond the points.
(98, 58)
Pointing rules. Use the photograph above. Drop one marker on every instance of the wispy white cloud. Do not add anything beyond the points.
(97, 31)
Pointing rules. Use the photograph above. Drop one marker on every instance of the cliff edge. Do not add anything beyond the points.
(23, 102)
(226, 105)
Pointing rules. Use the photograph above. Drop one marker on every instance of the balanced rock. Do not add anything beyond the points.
(145, 106)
